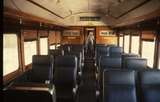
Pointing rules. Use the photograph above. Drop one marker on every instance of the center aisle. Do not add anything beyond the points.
(87, 88)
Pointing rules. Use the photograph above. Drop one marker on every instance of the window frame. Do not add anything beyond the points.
(54, 44)
(142, 40)
(48, 46)
(131, 42)
(124, 43)
(158, 53)
(121, 36)
(27, 66)
(12, 75)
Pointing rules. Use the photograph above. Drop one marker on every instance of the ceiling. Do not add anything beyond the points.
(65, 11)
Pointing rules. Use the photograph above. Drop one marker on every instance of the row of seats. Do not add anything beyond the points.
(68, 49)
(108, 50)
(123, 77)
(122, 86)
(118, 60)
(126, 61)
(72, 48)
(57, 71)
(60, 71)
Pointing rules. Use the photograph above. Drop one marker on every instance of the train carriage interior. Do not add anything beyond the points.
(81, 51)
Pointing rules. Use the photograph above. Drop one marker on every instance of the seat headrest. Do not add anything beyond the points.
(65, 61)
(135, 63)
(119, 77)
(102, 51)
(115, 49)
(129, 55)
(150, 77)
(41, 59)
(111, 45)
(110, 62)
(99, 45)
(56, 52)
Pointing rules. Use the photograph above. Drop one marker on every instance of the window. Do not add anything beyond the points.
(58, 45)
(159, 57)
(10, 53)
(126, 43)
(30, 49)
(44, 46)
(53, 47)
(121, 41)
(148, 52)
(135, 45)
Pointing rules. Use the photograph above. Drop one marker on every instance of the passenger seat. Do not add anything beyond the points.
(65, 77)
(119, 86)
(150, 85)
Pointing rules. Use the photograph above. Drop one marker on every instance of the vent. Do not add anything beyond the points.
(88, 18)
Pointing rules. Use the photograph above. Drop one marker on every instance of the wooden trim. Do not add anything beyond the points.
(123, 41)
(118, 38)
(28, 67)
(156, 52)
(48, 42)
(38, 43)
(22, 49)
(158, 55)
(130, 42)
(11, 76)
(140, 44)
(19, 51)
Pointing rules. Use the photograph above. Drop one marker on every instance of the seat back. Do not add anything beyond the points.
(150, 85)
(79, 58)
(134, 63)
(124, 56)
(119, 86)
(42, 69)
(101, 51)
(57, 52)
(115, 51)
(107, 62)
(65, 76)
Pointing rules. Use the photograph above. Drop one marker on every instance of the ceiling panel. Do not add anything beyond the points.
(125, 7)
(111, 10)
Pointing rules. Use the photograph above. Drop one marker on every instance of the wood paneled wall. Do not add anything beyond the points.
(30, 34)
(80, 39)
(104, 39)
(74, 39)
(54, 37)
(148, 35)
